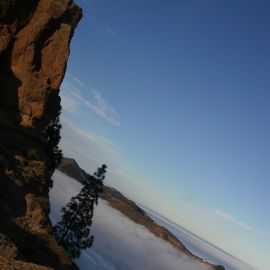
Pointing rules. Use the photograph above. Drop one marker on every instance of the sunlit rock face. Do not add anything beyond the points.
(34, 48)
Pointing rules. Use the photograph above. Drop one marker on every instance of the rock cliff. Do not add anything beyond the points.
(34, 48)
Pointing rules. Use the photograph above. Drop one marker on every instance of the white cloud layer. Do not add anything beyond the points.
(119, 243)
(200, 247)
(73, 97)
(91, 150)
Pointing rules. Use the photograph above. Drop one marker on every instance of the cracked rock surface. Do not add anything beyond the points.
(34, 49)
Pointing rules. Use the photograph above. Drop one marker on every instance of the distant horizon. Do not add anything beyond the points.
(151, 212)
(198, 236)
(174, 223)
(120, 243)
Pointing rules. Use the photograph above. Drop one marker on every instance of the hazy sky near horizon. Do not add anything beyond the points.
(174, 97)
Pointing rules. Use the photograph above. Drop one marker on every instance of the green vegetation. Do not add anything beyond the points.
(52, 138)
(219, 267)
(32, 154)
(73, 231)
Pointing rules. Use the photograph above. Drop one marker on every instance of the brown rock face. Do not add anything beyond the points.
(34, 48)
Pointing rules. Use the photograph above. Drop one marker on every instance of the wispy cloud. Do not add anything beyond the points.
(91, 150)
(103, 108)
(87, 146)
(230, 218)
(111, 32)
(73, 97)
(69, 104)
(75, 79)
(215, 214)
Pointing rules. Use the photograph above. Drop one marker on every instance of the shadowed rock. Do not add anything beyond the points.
(34, 48)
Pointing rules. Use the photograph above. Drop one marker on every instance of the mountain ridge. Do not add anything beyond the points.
(131, 210)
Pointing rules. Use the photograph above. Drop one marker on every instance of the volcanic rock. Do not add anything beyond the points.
(34, 49)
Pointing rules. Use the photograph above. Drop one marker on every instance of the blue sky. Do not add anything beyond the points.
(174, 97)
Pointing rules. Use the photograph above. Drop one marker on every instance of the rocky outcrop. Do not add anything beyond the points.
(34, 48)
(70, 167)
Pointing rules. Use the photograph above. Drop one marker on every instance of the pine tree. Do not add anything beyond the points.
(52, 138)
(51, 134)
(73, 231)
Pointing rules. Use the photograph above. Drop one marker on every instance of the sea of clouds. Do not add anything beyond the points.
(199, 246)
(119, 242)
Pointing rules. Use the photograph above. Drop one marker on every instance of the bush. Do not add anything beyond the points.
(32, 154)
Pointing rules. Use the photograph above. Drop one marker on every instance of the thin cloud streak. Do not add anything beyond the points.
(73, 98)
(91, 150)
(69, 104)
(75, 79)
(111, 32)
(230, 218)
(88, 144)
(216, 214)
(103, 108)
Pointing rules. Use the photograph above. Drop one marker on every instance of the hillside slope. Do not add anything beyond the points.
(133, 212)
